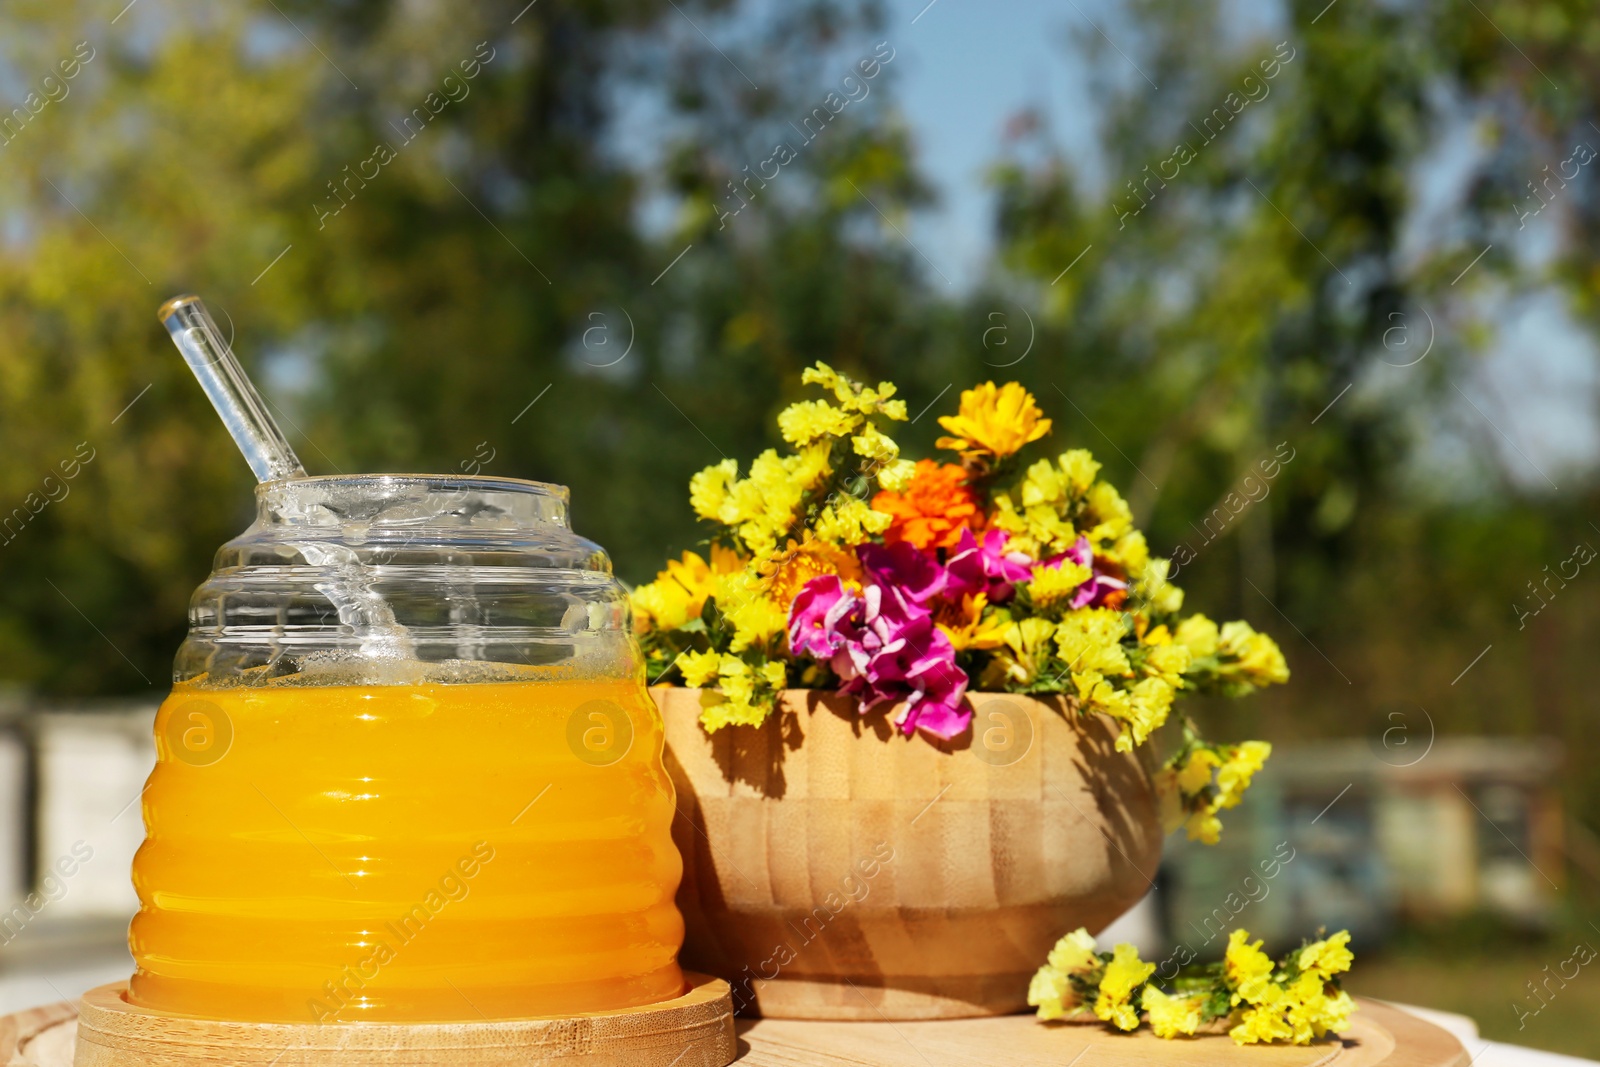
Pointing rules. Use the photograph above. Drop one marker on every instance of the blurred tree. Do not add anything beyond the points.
(1265, 267)
(431, 229)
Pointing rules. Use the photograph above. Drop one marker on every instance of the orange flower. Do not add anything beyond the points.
(936, 506)
(784, 571)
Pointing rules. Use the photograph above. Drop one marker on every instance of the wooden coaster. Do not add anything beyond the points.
(1379, 1036)
(695, 1030)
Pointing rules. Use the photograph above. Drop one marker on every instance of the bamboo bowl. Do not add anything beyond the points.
(834, 869)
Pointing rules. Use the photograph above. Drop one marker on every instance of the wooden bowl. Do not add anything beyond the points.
(834, 869)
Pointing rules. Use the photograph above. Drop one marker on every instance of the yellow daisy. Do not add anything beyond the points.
(993, 421)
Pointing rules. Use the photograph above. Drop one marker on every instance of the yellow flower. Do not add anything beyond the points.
(774, 674)
(1241, 765)
(765, 505)
(1328, 958)
(660, 605)
(1164, 658)
(735, 680)
(1080, 468)
(1196, 773)
(853, 396)
(1025, 648)
(1054, 585)
(744, 697)
(1045, 483)
(1035, 511)
(1301, 1011)
(1152, 700)
(1097, 694)
(708, 490)
(679, 593)
(1183, 800)
(758, 621)
(1247, 969)
(1171, 1016)
(850, 521)
(875, 447)
(1327, 1015)
(964, 624)
(717, 712)
(805, 421)
(756, 624)
(1203, 826)
(1038, 530)
(1132, 552)
(1262, 1023)
(699, 668)
(1090, 639)
(895, 477)
(1199, 635)
(1115, 518)
(1051, 992)
(1124, 974)
(1074, 953)
(1310, 1012)
(1163, 597)
(825, 376)
(1051, 989)
(1257, 658)
(993, 421)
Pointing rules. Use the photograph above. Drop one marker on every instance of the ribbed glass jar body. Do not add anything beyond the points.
(408, 770)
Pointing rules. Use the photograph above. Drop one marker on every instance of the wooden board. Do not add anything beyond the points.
(1380, 1036)
(694, 1030)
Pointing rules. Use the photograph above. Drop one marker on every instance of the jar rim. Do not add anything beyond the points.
(405, 500)
(430, 481)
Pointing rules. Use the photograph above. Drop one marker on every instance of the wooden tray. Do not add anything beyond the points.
(1379, 1035)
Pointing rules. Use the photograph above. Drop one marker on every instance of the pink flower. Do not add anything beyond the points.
(986, 567)
(935, 704)
(886, 649)
(816, 615)
(1100, 586)
(916, 574)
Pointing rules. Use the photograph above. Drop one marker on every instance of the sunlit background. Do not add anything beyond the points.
(561, 241)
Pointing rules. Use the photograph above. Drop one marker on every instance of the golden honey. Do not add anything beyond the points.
(411, 852)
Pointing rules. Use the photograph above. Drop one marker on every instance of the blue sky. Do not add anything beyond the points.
(965, 66)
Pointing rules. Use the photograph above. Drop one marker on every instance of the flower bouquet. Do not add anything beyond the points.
(902, 598)
(843, 566)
